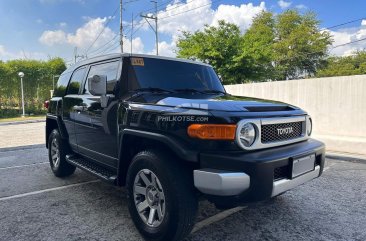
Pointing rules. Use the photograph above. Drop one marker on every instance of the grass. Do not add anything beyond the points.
(36, 117)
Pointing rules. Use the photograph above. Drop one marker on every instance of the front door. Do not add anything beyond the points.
(96, 129)
(70, 101)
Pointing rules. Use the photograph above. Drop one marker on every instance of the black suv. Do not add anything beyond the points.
(167, 130)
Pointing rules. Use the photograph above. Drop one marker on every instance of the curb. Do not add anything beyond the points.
(346, 156)
(21, 122)
(20, 148)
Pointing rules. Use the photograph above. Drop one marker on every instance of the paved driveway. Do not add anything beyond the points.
(35, 205)
(22, 134)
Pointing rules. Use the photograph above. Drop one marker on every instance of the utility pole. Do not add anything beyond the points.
(146, 17)
(76, 56)
(121, 26)
(131, 31)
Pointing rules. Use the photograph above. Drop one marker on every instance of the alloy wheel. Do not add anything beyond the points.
(149, 198)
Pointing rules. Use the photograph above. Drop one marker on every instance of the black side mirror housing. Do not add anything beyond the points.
(98, 85)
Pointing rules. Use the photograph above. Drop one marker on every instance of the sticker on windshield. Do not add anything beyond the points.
(137, 61)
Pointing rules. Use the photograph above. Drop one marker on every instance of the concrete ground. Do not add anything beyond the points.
(16, 135)
(35, 205)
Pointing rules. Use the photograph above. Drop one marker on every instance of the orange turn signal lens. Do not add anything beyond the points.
(212, 131)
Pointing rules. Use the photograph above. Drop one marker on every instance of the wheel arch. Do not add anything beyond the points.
(54, 122)
(134, 141)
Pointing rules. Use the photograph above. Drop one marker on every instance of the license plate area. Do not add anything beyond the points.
(303, 165)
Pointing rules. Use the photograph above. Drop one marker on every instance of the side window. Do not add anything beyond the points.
(75, 82)
(62, 84)
(110, 69)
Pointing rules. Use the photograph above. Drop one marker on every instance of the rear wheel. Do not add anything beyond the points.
(57, 151)
(161, 197)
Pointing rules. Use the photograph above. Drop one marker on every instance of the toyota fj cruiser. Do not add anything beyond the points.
(167, 130)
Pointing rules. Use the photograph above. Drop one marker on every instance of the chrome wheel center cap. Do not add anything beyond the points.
(152, 196)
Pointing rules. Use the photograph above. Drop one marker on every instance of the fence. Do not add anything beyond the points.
(336, 104)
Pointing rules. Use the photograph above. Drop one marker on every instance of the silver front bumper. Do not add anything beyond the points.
(220, 183)
(287, 184)
(224, 183)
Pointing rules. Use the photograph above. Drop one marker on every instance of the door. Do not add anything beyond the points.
(96, 134)
(70, 100)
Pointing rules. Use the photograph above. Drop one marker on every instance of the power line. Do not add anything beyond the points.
(155, 18)
(104, 27)
(101, 47)
(169, 16)
(355, 41)
(342, 24)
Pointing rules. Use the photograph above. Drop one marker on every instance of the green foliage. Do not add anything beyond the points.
(216, 45)
(341, 66)
(37, 84)
(284, 46)
(257, 48)
(301, 47)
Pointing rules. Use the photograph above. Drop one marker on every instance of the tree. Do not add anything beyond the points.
(37, 84)
(276, 47)
(218, 46)
(257, 47)
(347, 65)
(300, 47)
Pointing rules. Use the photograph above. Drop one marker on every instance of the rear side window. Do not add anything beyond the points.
(110, 70)
(75, 82)
(62, 84)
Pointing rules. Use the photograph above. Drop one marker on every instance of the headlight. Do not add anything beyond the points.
(247, 134)
(309, 125)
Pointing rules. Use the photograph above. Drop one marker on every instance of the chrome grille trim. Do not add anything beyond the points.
(270, 132)
(269, 121)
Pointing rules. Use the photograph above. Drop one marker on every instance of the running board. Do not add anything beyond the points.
(93, 168)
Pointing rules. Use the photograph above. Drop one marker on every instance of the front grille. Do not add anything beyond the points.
(134, 117)
(281, 173)
(272, 132)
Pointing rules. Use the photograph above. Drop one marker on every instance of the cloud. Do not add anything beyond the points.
(165, 49)
(344, 36)
(363, 23)
(194, 14)
(83, 37)
(63, 25)
(283, 4)
(301, 7)
(240, 15)
(51, 38)
(197, 13)
(8, 55)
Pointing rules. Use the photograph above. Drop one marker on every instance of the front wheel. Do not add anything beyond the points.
(161, 197)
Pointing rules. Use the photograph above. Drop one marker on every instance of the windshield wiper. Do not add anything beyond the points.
(214, 91)
(153, 89)
(188, 90)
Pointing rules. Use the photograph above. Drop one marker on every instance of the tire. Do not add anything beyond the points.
(57, 148)
(173, 193)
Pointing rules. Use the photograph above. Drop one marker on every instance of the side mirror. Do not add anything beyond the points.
(98, 85)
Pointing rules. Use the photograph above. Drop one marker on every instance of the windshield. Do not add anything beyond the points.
(171, 75)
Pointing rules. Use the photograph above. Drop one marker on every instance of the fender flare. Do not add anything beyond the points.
(177, 147)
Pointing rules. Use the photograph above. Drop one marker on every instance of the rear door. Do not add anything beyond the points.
(71, 102)
(96, 134)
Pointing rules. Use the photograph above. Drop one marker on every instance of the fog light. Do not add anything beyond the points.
(247, 134)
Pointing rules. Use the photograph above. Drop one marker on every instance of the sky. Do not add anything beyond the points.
(42, 29)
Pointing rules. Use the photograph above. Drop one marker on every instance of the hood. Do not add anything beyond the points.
(215, 102)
